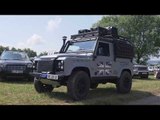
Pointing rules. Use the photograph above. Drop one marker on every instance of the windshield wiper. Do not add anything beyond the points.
(70, 51)
(16, 59)
(83, 50)
(80, 51)
(4, 59)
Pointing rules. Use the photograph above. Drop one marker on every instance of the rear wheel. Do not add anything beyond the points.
(41, 88)
(78, 85)
(124, 83)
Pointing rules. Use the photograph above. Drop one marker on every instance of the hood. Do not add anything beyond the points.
(14, 62)
(67, 55)
(137, 65)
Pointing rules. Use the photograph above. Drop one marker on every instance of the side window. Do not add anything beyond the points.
(103, 49)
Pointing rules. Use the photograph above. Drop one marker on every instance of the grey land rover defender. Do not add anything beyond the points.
(93, 56)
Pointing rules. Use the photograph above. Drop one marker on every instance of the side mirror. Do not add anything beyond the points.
(56, 52)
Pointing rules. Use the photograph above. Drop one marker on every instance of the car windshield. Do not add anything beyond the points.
(81, 46)
(13, 55)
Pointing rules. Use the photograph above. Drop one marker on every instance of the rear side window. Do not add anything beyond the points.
(103, 49)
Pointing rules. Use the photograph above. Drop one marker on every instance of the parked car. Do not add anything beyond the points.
(140, 71)
(14, 64)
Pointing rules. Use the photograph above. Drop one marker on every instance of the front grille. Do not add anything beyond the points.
(45, 66)
(15, 67)
(142, 68)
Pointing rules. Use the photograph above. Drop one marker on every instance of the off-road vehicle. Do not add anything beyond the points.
(140, 71)
(93, 56)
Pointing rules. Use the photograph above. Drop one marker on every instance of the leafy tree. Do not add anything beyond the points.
(14, 49)
(43, 53)
(143, 31)
(3, 48)
(30, 52)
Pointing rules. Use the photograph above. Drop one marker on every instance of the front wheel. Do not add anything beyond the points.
(78, 85)
(41, 88)
(124, 84)
(1, 79)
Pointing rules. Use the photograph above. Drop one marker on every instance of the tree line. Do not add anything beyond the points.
(31, 53)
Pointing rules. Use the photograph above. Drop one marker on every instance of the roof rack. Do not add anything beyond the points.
(99, 31)
(111, 32)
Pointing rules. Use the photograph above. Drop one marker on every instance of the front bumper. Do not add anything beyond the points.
(141, 73)
(43, 77)
(10, 74)
(47, 76)
(50, 82)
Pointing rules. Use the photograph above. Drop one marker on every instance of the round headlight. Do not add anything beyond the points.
(1, 65)
(29, 65)
(60, 65)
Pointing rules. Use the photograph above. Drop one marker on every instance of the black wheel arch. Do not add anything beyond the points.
(128, 70)
(85, 69)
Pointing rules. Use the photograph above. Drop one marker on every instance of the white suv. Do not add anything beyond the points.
(141, 71)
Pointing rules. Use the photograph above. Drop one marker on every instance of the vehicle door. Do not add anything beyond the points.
(104, 59)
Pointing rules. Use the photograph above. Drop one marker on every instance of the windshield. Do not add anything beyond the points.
(82, 46)
(13, 55)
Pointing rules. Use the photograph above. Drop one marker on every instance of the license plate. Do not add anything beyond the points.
(144, 73)
(17, 71)
(53, 77)
(43, 75)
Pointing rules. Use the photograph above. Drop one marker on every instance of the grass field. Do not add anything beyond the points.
(23, 93)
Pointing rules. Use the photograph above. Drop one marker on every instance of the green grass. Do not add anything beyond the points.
(23, 93)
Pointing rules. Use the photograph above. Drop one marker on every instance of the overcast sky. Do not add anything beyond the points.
(41, 32)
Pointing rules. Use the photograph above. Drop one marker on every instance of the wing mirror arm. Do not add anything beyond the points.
(94, 57)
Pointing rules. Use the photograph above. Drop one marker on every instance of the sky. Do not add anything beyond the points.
(41, 32)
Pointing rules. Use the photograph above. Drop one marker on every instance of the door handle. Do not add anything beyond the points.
(109, 63)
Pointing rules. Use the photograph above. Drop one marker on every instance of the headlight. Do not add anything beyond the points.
(29, 65)
(60, 65)
(135, 69)
(1, 65)
(35, 64)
